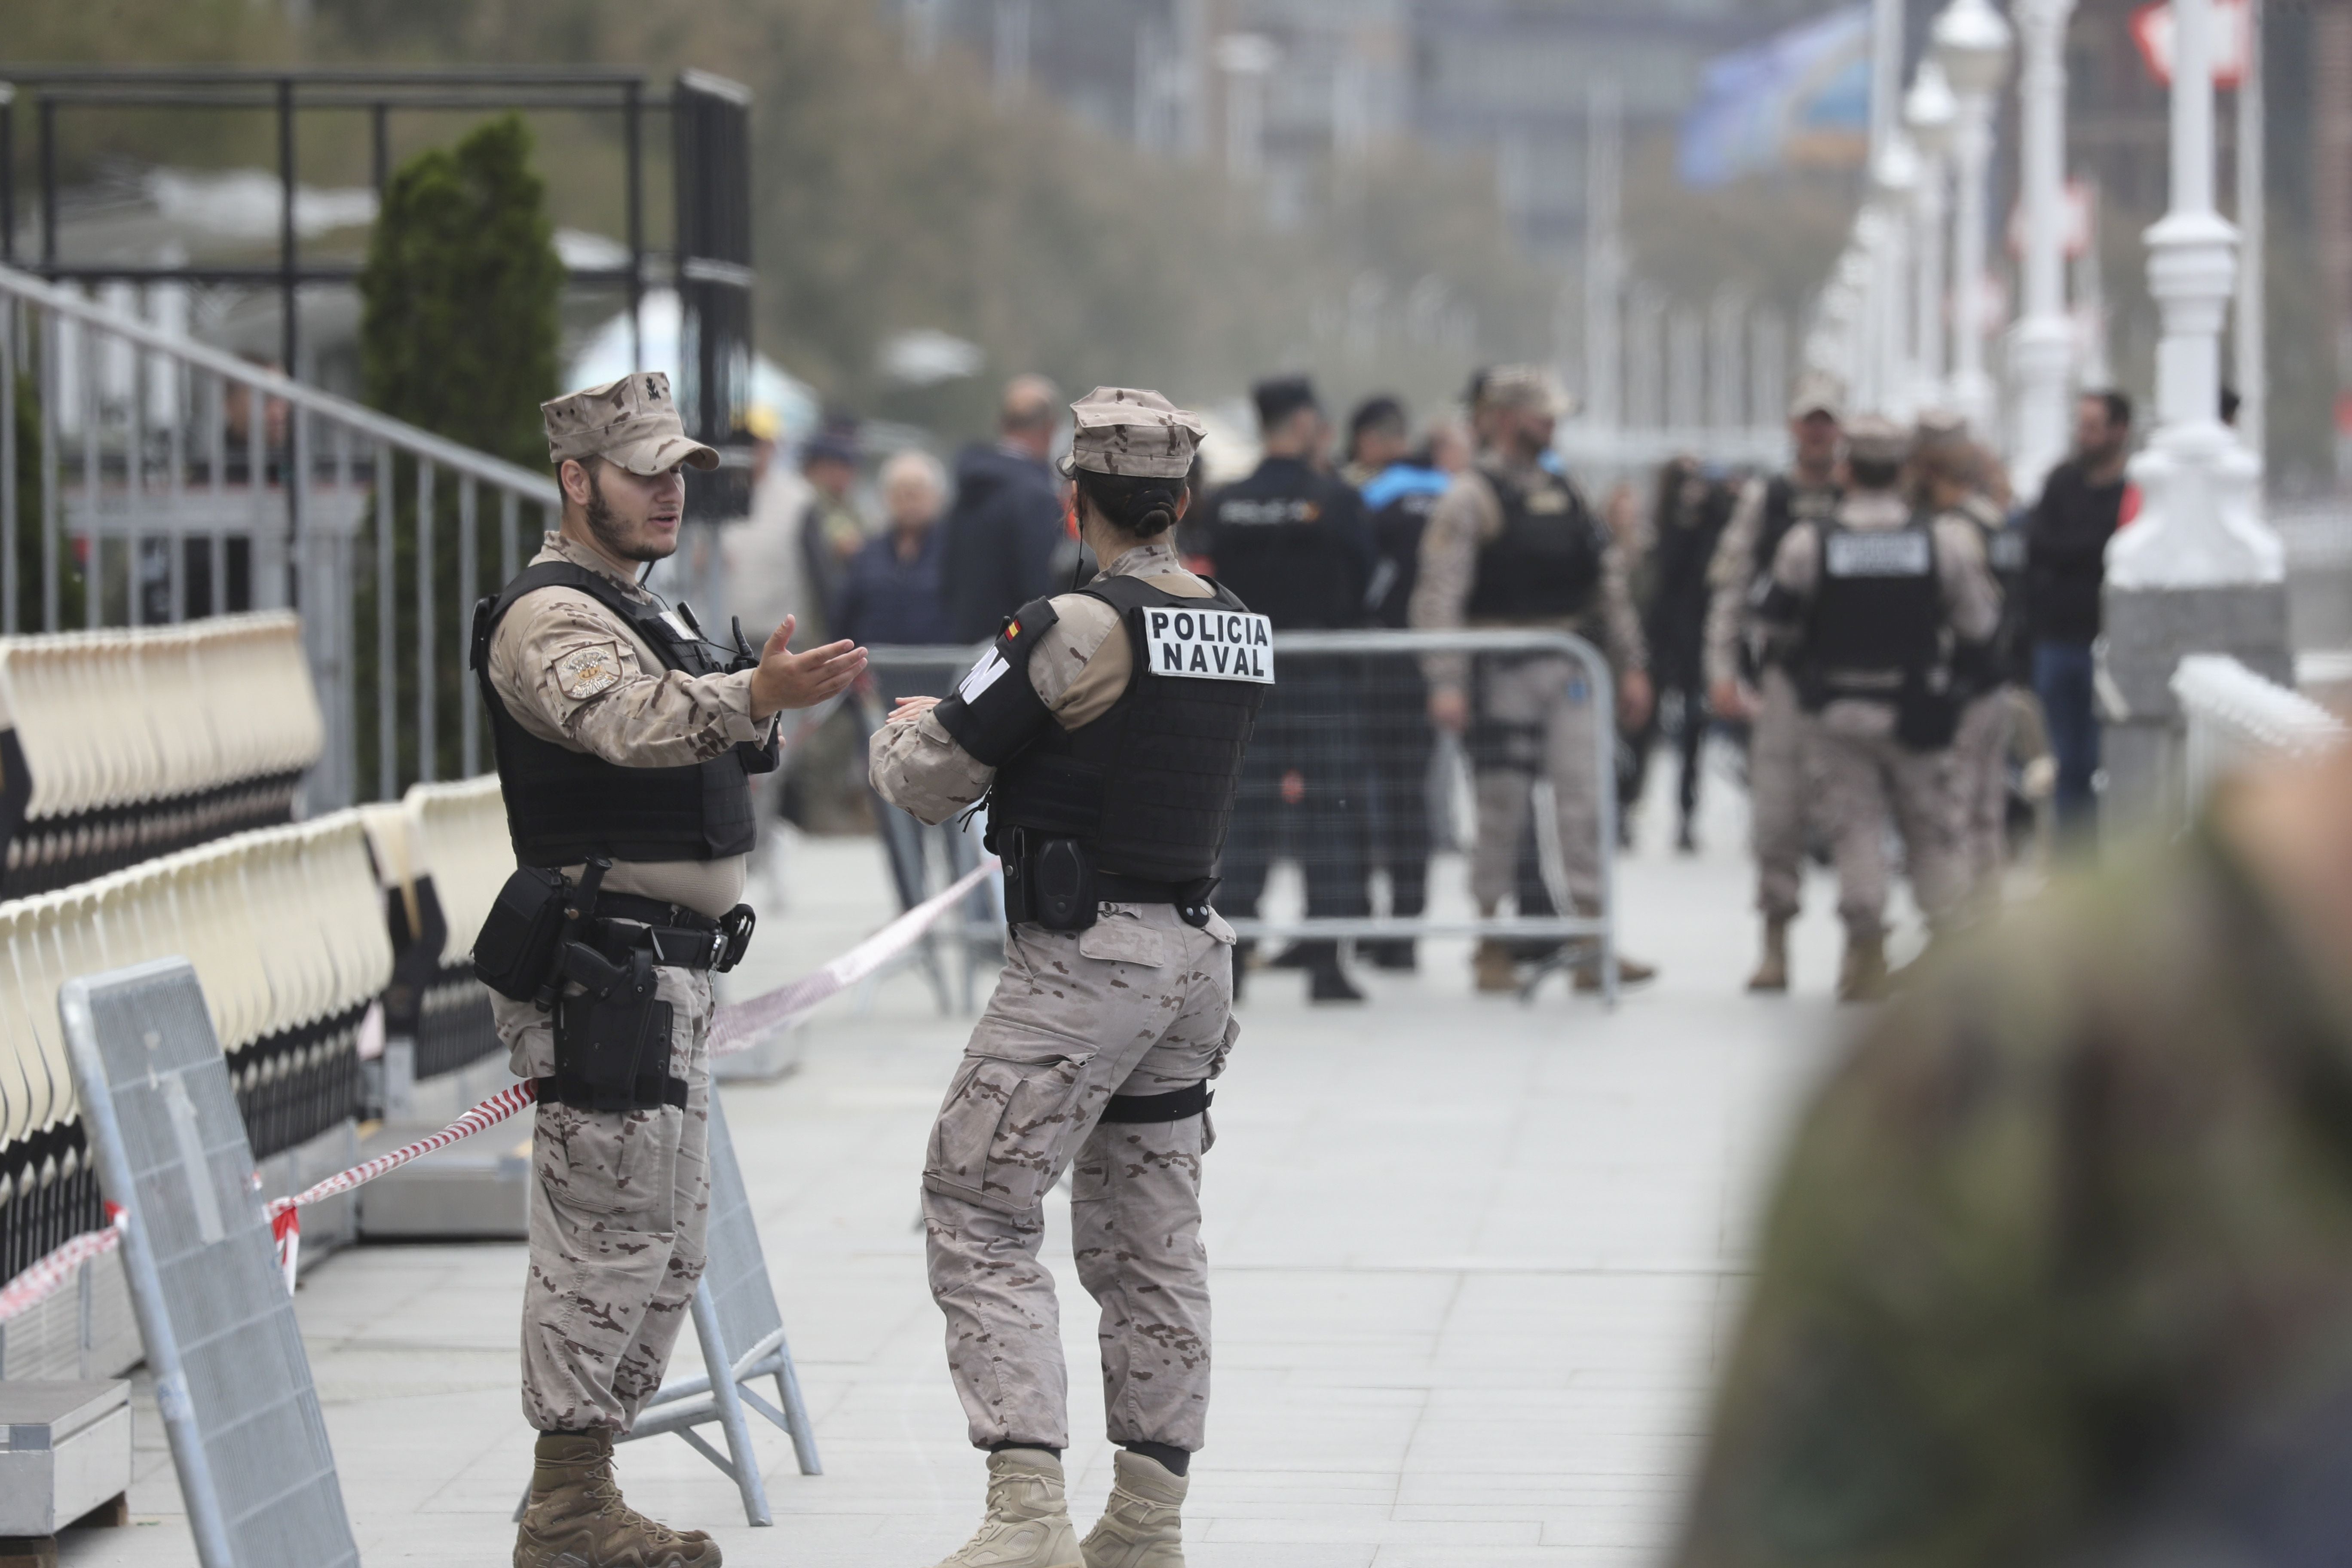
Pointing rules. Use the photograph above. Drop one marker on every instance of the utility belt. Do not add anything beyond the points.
(1054, 883)
(588, 957)
(1927, 707)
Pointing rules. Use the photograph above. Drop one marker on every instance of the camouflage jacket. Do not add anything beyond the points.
(2060, 1265)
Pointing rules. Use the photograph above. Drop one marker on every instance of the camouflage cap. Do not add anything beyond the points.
(1816, 392)
(1130, 432)
(1872, 439)
(1529, 387)
(632, 421)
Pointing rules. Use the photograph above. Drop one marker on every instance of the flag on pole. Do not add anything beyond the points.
(1798, 99)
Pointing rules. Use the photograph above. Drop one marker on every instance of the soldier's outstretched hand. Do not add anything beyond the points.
(788, 680)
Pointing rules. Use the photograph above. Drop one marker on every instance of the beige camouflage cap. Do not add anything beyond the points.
(1872, 439)
(632, 421)
(1816, 392)
(1130, 432)
(1526, 387)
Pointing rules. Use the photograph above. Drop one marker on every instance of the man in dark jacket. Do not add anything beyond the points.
(1291, 540)
(1006, 524)
(2065, 567)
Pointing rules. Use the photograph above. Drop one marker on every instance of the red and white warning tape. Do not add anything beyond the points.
(40, 1281)
(735, 1028)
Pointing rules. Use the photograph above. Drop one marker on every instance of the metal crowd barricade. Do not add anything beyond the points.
(2236, 719)
(232, 1381)
(1373, 732)
(191, 483)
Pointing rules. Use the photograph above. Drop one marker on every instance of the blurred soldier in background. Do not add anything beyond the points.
(1290, 539)
(1748, 662)
(2059, 1269)
(1005, 526)
(1399, 499)
(1115, 1006)
(1949, 475)
(1379, 435)
(1689, 524)
(1878, 603)
(1512, 543)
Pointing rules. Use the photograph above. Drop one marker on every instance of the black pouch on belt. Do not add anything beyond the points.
(612, 1037)
(1050, 882)
(514, 954)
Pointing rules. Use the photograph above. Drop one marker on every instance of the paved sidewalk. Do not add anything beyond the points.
(1472, 1263)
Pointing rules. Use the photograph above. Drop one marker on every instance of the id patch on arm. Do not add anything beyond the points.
(1210, 644)
(587, 671)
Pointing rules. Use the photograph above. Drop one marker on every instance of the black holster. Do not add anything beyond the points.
(1048, 882)
(1927, 714)
(612, 1036)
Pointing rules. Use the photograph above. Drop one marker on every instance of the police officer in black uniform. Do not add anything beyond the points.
(1291, 540)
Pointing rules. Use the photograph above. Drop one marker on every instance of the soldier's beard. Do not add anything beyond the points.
(615, 538)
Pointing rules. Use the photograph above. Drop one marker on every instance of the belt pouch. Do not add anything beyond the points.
(515, 951)
(611, 1046)
(1061, 878)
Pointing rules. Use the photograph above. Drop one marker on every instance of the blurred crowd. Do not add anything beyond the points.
(1885, 646)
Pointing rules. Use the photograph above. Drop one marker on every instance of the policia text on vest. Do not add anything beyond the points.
(1135, 805)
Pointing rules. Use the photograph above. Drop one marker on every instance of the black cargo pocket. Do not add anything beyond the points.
(1008, 1124)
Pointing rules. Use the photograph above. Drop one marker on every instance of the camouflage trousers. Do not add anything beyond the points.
(619, 1205)
(1778, 794)
(1536, 719)
(1139, 1005)
(1864, 778)
(1980, 776)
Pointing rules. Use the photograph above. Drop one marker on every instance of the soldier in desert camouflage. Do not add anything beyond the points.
(1105, 728)
(619, 738)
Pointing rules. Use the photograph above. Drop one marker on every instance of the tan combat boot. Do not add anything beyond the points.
(1492, 965)
(1139, 1527)
(1630, 972)
(575, 1517)
(1028, 1524)
(1772, 970)
(1863, 977)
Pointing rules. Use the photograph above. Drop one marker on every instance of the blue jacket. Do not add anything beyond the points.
(890, 602)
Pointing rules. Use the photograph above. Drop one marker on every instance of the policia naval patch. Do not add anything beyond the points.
(1209, 645)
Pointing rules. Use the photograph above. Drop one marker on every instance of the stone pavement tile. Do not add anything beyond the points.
(1386, 1532)
(1533, 1554)
(1282, 1555)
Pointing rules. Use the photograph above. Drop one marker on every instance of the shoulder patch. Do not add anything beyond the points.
(587, 671)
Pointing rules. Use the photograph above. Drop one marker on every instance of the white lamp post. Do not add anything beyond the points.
(2041, 351)
(1930, 113)
(1972, 44)
(2199, 572)
(2199, 524)
(1895, 172)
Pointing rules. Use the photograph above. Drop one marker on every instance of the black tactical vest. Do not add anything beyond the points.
(1148, 787)
(1545, 563)
(1876, 621)
(564, 806)
(1785, 506)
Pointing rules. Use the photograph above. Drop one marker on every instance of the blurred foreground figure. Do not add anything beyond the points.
(1106, 728)
(1880, 604)
(1748, 662)
(1512, 543)
(2060, 1267)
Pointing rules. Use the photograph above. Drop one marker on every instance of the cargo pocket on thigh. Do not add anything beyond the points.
(1008, 1122)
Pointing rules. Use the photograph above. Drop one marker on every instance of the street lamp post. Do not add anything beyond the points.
(2199, 571)
(1930, 113)
(2041, 353)
(1972, 44)
(1895, 172)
